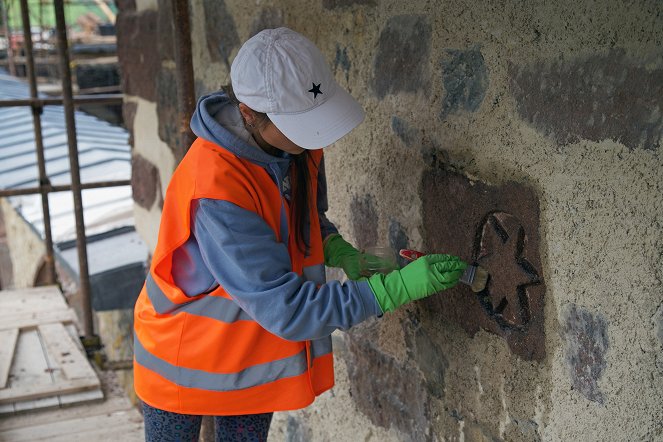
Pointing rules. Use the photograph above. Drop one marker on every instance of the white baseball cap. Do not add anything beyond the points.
(283, 74)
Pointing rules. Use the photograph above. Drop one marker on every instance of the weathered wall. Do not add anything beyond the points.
(25, 248)
(523, 135)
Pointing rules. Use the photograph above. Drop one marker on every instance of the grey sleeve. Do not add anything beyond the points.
(243, 254)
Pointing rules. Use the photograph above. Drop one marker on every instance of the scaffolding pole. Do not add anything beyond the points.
(67, 95)
(39, 143)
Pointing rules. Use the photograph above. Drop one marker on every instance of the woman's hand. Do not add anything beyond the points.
(421, 278)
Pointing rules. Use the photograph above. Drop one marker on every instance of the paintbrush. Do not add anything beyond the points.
(474, 275)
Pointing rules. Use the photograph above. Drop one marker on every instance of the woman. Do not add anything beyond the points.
(235, 316)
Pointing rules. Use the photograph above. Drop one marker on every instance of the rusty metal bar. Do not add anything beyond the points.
(78, 100)
(62, 188)
(68, 102)
(186, 96)
(39, 144)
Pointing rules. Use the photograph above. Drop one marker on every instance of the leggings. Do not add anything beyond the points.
(164, 426)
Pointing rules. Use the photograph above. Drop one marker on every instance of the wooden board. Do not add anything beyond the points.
(47, 365)
(8, 339)
(27, 320)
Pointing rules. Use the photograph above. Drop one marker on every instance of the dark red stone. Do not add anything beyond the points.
(498, 228)
(597, 97)
(139, 62)
(388, 392)
(145, 182)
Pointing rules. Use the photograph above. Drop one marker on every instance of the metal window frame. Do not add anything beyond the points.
(45, 187)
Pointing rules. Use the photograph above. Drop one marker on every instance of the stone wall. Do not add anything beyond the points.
(523, 136)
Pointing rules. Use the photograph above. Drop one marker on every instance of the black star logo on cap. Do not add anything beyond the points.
(315, 90)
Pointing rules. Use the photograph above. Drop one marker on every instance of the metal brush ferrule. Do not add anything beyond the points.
(468, 275)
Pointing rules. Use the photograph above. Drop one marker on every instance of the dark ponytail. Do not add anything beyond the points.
(300, 180)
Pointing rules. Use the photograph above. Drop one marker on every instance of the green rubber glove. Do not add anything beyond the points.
(421, 278)
(340, 253)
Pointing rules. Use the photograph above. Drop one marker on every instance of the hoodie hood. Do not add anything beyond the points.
(218, 120)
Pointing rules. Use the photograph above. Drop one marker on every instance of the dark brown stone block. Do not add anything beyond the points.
(387, 391)
(598, 97)
(498, 228)
(145, 181)
(139, 60)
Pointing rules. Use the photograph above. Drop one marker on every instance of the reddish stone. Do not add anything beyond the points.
(139, 62)
(498, 228)
(145, 182)
(611, 96)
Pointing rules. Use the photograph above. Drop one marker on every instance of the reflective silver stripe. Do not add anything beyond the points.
(315, 273)
(320, 347)
(215, 307)
(204, 380)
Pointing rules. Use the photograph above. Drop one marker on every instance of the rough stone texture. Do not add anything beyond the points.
(220, 31)
(145, 181)
(408, 134)
(599, 223)
(270, 17)
(400, 62)
(165, 31)
(167, 108)
(398, 240)
(138, 67)
(498, 228)
(586, 337)
(6, 268)
(365, 221)
(333, 4)
(343, 61)
(126, 5)
(596, 97)
(465, 80)
(128, 116)
(390, 393)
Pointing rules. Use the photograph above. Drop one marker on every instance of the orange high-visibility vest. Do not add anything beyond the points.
(203, 354)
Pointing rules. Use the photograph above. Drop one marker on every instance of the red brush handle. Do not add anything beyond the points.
(410, 255)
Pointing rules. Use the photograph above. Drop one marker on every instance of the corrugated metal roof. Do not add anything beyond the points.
(116, 254)
(104, 154)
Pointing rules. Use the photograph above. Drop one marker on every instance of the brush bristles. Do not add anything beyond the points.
(480, 279)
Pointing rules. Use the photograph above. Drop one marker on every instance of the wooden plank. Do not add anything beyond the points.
(108, 424)
(45, 417)
(64, 353)
(8, 339)
(32, 299)
(29, 320)
(31, 369)
(25, 392)
(85, 396)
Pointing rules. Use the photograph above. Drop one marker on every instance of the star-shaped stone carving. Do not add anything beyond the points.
(315, 90)
(501, 251)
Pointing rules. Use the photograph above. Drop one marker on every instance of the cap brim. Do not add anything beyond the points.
(322, 125)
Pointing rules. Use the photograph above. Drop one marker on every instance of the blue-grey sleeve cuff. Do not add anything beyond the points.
(370, 303)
